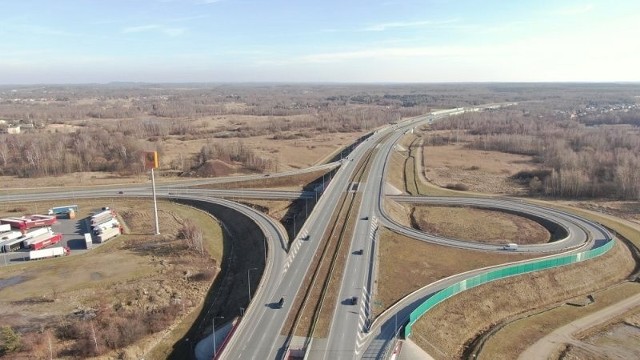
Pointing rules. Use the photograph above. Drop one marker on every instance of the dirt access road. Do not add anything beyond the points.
(550, 343)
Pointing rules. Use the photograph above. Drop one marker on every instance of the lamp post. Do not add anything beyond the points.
(213, 323)
(249, 282)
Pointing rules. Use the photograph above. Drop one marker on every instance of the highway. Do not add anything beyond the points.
(350, 334)
(259, 334)
(162, 191)
(174, 184)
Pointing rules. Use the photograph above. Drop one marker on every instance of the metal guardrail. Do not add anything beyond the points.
(501, 273)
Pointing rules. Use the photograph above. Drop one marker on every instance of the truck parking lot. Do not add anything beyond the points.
(72, 231)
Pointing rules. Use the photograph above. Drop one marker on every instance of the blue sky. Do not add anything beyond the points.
(64, 41)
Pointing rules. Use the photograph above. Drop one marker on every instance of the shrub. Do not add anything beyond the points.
(457, 186)
(9, 340)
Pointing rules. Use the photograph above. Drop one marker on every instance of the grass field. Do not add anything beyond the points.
(445, 329)
(514, 338)
(478, 225)
(419, 263)
(133, 273)
(448, 165)
(481, 171)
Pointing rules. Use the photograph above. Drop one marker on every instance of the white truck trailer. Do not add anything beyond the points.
(108, 234)
(48, 253)
(100, 228)
(88, 240)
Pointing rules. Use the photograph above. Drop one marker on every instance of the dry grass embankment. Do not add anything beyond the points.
(535, 327)
(291, 182)
(484, 168)
(153, 284)
(481, 171)
(417, 264)
(444, 331)
(618, 338)
(516, 336)
(479, 225)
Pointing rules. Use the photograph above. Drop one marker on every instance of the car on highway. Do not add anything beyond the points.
(358, 252)
(353, 300)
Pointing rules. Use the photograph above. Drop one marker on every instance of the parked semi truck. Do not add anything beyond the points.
(43, 241)
(28, 237)
(12, 245)
(100, 228)
(62, 210)
(101, 220)
(108, 234)
(48, 253)
(10, 235)
(27, 222)
(88, 240)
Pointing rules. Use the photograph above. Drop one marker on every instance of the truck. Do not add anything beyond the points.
(100, 228)
(48, 253)
(510, 246)
(108, 234)
(12, 245)
(101, 217)
(36, 232)
(5, 228)
(28, 236)
(29, 221)
(43, 241)
(10, 235)
(63, 210)
(88, 240)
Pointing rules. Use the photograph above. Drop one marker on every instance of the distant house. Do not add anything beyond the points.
(13, 129)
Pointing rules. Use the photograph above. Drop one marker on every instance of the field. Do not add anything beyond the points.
(478, 225)
(448, 327)
(490, 172)
(419, 263)
(482, 171)
(132, 276)
(94, 136)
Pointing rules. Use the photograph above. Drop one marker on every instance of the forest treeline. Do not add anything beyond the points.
(116, 123)
(577, 159)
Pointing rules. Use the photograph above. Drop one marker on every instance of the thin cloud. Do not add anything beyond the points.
(174, 31)
(574, 10)
(406, 24)
(188, 18)
(394, 52)
(169, 31)
(141, 28)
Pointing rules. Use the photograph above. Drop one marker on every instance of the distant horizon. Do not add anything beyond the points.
(377, 41)
(319, 83)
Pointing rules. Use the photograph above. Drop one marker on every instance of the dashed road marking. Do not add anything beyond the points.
(294, 249)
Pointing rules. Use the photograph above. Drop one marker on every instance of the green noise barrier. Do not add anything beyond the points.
(501, 273)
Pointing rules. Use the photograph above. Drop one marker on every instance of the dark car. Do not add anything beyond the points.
(358, 252)
(281, 302)
(353, 300)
